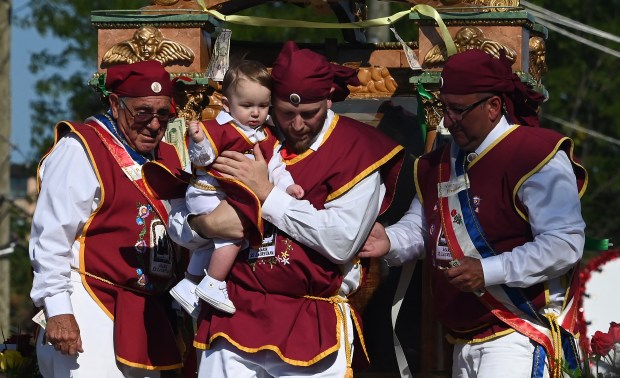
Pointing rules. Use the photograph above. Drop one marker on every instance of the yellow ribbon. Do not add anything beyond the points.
(423, 9)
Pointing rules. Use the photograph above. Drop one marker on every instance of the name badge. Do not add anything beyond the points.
(451, 188)
(442, 251)
(161, 250)
(134, 172)
(266, 249)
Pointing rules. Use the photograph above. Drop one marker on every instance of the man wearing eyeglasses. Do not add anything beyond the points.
(497, 217)
(101, 256)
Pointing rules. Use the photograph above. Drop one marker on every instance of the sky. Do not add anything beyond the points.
(23, 43)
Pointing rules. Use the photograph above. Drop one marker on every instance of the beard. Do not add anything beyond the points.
(298, 146)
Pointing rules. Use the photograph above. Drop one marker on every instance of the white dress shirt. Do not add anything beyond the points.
(69, 194)
(203, 153)
(337, 231)
(554, 209)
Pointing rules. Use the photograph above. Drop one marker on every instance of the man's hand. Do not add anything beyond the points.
(63, 332)
(252, 173)
(467, 276)
(377, 244)
(223, 222)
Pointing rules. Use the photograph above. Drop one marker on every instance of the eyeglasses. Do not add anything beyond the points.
(457, 114)
(162, 116)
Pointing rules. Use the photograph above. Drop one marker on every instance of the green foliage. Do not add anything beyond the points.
(70, 21)
(583, 91)
(21, 306)
(581, 80)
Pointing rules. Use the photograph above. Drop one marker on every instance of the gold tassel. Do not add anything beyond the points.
(349, 373)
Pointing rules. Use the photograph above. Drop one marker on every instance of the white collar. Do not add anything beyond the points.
(497, 132)
(223, 117)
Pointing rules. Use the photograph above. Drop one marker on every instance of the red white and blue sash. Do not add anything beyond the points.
(465, 237)
(131, 168)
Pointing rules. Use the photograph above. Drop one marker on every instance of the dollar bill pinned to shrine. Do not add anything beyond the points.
(409, 54)
(219, 63)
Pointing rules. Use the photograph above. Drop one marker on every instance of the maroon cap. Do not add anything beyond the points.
(474, 71)
(141, 79)
(304, 76)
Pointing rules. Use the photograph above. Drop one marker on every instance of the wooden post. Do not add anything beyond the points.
(5, 159)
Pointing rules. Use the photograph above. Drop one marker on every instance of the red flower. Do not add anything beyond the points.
(602, 343)
(614, 331)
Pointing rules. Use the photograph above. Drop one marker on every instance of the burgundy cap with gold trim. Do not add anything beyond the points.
(141, 79)
(304, 76)
(475, 71)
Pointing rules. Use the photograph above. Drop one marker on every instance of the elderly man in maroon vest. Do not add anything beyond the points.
(497, 217)
(292, 315)
(99, 248)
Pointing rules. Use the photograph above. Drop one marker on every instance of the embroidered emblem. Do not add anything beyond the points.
(156, 87)
(283, 258)
(141, 246)
(476, 203)
(143, 212)
(272, 259)
(143, 280)
(456, 217)
(294, 98)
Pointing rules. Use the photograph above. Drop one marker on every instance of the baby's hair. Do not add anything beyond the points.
(246, 69)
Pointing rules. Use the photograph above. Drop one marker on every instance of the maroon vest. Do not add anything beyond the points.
(126, 259)
(228, 137)
(494, 179)
(272, 312)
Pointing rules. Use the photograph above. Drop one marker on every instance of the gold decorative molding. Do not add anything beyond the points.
(432, 111)
(537, 62)
(192, 102)
(176, 4)
(148, 43)
(468, 38)
(484, 5)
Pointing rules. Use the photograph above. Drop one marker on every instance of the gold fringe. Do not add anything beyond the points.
(556, 340)
(337, 300)
(201, 185)
(349, 373)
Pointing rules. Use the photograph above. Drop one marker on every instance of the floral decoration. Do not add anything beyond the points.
(604, 355)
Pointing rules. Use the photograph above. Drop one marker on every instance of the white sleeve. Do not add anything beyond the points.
(69, 194)
(278, 174)
(337, 231)
(201, 154)
(406, 236)
(554, 209)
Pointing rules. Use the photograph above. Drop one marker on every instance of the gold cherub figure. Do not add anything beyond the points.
(148, 43)
(467, 38)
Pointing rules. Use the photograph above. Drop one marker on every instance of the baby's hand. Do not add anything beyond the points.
(195, 131)
(295, 191)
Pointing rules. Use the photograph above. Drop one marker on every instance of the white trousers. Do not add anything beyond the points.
(223, 360)
(97, 333)
(509, 356)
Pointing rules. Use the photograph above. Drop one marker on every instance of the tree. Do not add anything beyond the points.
(70, 21)
(583, 91)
